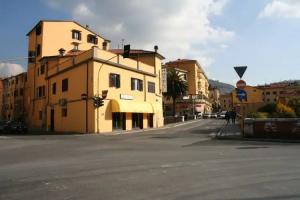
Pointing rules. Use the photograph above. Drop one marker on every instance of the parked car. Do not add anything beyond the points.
(199, 115)
(214, 115)
(15, 127)
(221, 115)
(2, 126)
(206, 115)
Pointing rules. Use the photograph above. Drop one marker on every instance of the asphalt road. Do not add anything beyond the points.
(181, 162)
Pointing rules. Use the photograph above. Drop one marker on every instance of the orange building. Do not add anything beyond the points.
(69, 65)
(197, 98)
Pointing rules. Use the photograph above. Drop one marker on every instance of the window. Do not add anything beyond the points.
(38, 50)
(281, 92)
(21, 91)
(64, 85)
(114, 80)
(274, 92)
(151, 87)
(31, 56)
(40, 115)
(54, 88)
(184, 77)
(76, 35)
(42, 69)
(75, 47)
(16, 93)
(136, 84)
(267, 93)
(40, 91)
(38, 71)
(64, 112)
(92, 39)
(17, 80)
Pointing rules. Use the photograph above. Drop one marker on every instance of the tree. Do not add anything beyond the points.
(176, 86)
(295, 104)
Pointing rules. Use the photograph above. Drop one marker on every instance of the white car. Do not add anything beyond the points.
(221, 115)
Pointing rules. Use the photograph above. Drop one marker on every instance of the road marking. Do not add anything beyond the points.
(4, 137)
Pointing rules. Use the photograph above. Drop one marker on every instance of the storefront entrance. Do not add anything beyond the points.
(150, 120)
(137, 120)
(119, 120)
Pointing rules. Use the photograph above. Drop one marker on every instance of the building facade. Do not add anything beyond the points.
(279, 92)
(197, 98)
(13, 97)
(69, 66)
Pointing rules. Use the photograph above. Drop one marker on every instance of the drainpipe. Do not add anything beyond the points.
(87, 98)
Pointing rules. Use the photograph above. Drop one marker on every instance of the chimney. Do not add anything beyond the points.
(87, 26)
(61, 51)
(155, 48)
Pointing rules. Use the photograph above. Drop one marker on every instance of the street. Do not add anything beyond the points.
(180, 162)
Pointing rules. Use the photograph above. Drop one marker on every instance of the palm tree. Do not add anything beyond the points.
(176, 86)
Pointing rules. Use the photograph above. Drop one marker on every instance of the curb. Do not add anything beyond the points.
(150, 129)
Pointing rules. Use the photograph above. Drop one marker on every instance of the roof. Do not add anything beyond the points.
(136, 52)
(68, 54)
(66, 21)
(181, 61)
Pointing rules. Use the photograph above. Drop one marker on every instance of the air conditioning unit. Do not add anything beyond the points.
(63, 102)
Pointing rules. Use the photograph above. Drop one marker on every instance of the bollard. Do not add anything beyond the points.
(195, 116)
(182, 118)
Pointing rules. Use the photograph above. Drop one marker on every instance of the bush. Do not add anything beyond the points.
(272, 110)
(269, 108)
(284, 111)
(260, 115)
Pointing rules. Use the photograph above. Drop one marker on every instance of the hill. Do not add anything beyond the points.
(223, 87)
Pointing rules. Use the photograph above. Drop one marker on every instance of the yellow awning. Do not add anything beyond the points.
(157, 107)
(131, 106)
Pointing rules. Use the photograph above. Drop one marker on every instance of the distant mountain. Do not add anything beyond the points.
(223, 87)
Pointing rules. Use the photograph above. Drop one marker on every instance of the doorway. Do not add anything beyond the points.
(137, 120)
(52, 120)
(150, 120)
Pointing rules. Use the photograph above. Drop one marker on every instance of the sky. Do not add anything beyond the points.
(220, 34)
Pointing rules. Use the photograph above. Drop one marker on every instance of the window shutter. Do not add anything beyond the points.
(96, 40)
(132, 84)
(140, 85)
(79, 36)
(118, 81)
(110, 80)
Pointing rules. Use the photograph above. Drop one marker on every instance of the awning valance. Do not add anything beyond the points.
(131, 106)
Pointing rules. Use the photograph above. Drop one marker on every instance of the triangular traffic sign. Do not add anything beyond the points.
(240, 70)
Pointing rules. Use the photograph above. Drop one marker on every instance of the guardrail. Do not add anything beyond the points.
(283, 128)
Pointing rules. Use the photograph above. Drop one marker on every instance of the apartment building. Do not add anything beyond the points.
(197, 98)
(13, 97)
(69, 65)
(279, 92)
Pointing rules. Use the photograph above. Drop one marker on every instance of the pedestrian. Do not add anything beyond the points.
(227, 117)
(233, 116)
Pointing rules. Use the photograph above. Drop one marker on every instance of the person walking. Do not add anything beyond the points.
(227, 117)
(233, 116)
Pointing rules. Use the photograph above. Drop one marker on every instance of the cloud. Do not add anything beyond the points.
(281, 9)
(180, 28)
(10, 69)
